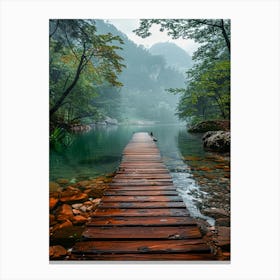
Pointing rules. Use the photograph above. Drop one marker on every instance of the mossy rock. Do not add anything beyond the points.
(213, 125)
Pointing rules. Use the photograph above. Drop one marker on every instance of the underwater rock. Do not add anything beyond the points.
(54, 186)
(215, 212)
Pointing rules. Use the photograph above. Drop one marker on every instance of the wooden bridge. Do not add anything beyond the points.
(141, 217)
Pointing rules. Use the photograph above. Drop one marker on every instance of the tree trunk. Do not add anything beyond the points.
(69, 89)
(225, 35)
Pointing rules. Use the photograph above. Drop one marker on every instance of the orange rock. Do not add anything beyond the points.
(79, 220)
(65, 210)
(53, 202)
(76, 211)
(67, 223)
(79, 197)
(57, 251)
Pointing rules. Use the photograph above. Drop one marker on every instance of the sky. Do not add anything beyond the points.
(128, 25)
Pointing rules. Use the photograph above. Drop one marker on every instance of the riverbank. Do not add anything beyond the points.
(70, 208)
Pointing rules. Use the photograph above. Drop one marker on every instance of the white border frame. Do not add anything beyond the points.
(24, 138)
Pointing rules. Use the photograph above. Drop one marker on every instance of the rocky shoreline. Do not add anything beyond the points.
(70, 207)
(212, 173)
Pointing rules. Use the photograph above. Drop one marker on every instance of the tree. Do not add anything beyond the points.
(79, 60)
(207, 92)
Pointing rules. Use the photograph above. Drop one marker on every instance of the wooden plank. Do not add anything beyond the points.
(141, 221)
(142, 205)
(134, 232)
(142, 176)
(141, 198)
(147, 257)
(137, 184)
(125, 212)
(142, 188)
(135, 192)
(142, 171)
(143, 246)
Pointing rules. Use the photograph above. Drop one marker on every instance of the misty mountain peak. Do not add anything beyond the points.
(175, 56)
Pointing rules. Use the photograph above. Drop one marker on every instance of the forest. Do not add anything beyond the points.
(96, 71)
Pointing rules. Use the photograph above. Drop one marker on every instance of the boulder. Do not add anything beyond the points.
(213, 125)
(218, 141)
(111, 121)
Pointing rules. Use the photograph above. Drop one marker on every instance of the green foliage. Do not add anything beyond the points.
(82, 64)
(207, 91)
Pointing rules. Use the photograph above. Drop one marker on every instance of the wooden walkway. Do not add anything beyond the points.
(141, 217)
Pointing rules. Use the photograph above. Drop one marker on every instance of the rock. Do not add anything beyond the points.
(110, 121)
(67, 236)
(65, 224)
(84, 183)
(80, 197)
(96, 192)
(79, 220)
(62, 181)
(223, 238)
(96, 201)
(77, 205)
(53, 186)
(65, 210)
(76, 212)
(57, 252)
(52, 202)
(213, 125)
(223, 222)
(218, 141)
(83, 208)
(52, 220)
(215, 212)
(87, 203)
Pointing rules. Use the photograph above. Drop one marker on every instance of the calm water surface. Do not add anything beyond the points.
(98, 152)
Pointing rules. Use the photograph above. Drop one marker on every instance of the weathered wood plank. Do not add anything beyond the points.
(124, 212)
(135, 192)
(142, 205)
(143, 246)
(143, 188)
(151, 232)
(141, 221)
(146, 257)
(157, 198)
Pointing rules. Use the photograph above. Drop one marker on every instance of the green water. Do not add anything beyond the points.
(98, 152)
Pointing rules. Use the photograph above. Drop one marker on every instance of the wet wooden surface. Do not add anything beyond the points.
(141, 216)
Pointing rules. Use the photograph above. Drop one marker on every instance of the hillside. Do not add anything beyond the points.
(174, 56)
(145, 80)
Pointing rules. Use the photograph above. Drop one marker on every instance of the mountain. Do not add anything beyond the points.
(145, 80)
(174, 56)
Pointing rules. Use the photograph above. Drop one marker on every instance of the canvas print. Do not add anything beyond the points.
(139, 139)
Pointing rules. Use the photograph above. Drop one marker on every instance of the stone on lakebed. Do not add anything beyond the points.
(57, 252)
